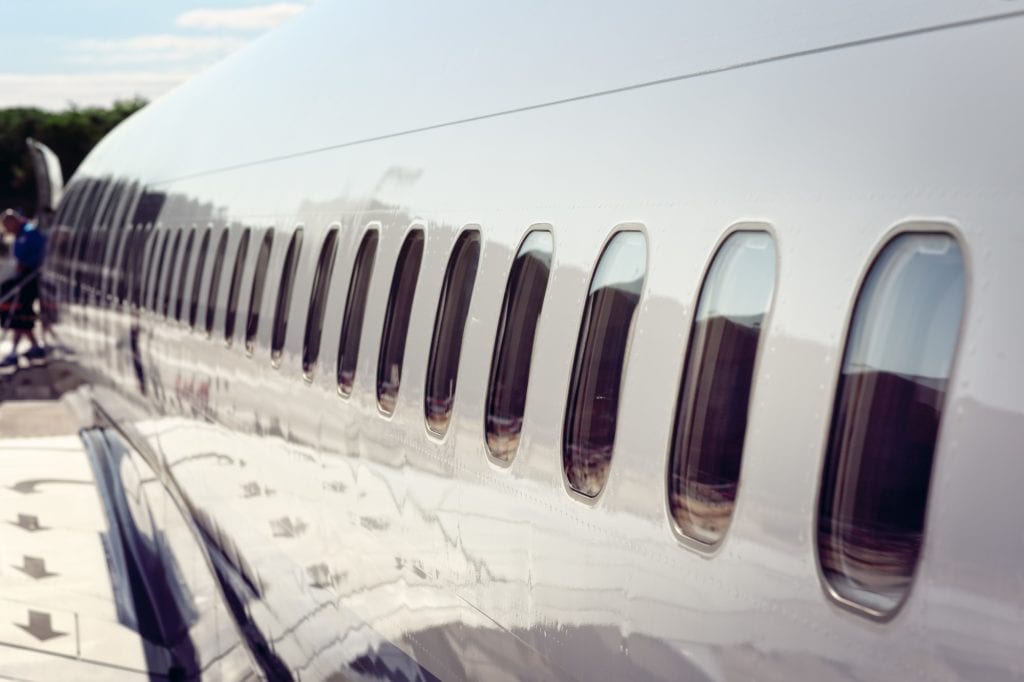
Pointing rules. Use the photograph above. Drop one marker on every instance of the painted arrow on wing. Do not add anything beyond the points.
(28, 522)
(29, 487)
(40, 626)
(34, 567)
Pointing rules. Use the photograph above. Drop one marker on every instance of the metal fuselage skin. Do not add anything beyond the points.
(831, 125)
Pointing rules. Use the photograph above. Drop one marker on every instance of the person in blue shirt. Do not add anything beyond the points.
(29, 253)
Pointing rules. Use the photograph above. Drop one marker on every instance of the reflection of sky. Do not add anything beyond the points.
(740, 282)
(909, 312)
(623, 263)
(538, 244)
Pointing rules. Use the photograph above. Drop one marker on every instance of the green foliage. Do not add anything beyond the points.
(70, 134)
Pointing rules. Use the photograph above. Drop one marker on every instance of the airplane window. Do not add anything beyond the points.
(111, 271)
(231, 314)
(197, 278)
(284, 294)
(318, 302)
(513, 346)
(592, 410)
(396, 321)
(129, 263)
(889, 402)
(215, 273)
(154, 285)
(449, 326)
(355, 308)
(169, 282)
(711, 415)
(147, 241)
(259, 280)
(179, 301)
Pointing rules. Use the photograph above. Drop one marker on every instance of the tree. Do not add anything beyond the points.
(70, 134)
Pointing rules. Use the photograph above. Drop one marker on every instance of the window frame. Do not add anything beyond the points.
(910, 227)
(373, 230)
(463, 241)
(389, 317)
(283, 303)
(704, 548)
(641, 228)
(499, 333)
(319, 293)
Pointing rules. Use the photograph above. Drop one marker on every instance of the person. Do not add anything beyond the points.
(29, 253)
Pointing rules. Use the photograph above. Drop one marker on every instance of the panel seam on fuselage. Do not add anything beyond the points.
(859, 42)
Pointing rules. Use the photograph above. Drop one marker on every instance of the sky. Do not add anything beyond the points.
(92, 52)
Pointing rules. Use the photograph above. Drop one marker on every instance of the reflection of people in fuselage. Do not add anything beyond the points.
(29, 252)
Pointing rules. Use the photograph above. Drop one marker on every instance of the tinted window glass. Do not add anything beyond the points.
(711, 416)
(593, 406)
(186, 257)
(215, 273)
(318, 302)
(885, 422)
(259, 280)
(396, 321)
(355, 309)
(154, 284)
(284, 294)
(236, 285)
(169, 281)
(449, 326)
(197, 278)
(513, 346)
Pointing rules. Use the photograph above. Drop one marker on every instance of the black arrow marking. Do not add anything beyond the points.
(28, 522)
(40, 626)
(34, 567)
(29, 487)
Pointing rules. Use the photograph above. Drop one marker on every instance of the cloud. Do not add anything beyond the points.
(257, 18)
(57, 91)
(161, 48)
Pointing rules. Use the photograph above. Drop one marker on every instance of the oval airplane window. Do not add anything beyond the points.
(169, 280)
(592, 411)
(449, 327)
(259, 281)
(215, 274)
(318, 302)
(197, 278)
(355, 310)
(284, 294)
(513, 344)
(396, 321)
(179, 301)
(711, 415)
(231, 314)
(158, 275)
(885, 423)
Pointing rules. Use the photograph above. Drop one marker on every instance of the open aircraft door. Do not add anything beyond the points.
(49, 181)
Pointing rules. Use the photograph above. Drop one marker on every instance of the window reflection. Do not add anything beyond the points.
(215, 275)
(318, 302)
(396, 321)
(711, 416)
(886, 419)
(284, 294)
(446, 346)
(197, 278)
(231, 314)
(169, 281)
(592, 411)
(259, 281)
(355, 309)
(179, 301)
(513, 347)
